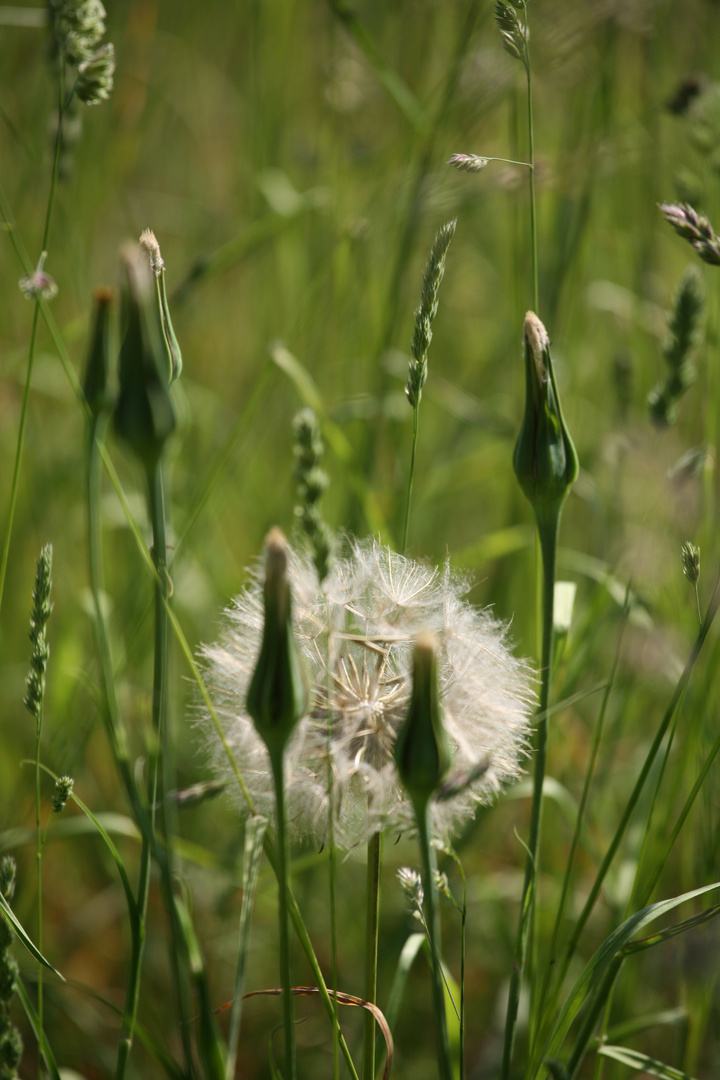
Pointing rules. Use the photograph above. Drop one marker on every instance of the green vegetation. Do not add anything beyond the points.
(160, 413)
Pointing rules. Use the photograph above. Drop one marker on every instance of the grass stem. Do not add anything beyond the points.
(408, 500)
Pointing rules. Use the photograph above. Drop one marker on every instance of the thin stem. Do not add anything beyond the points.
(531, 175)
(161, 754)
(38, 863)
(427, 853)
(31, 353)
(547, 526)
(416, 412)
(372, 917)
(282, 879)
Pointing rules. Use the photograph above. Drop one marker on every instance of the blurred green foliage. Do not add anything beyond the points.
(290, 157)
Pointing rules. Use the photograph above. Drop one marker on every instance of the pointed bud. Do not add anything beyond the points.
(422, 751)
(150, 246)
(277, 697)
(544, 460)
(95, 385)
(144, 413)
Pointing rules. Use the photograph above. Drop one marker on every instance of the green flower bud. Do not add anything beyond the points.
(545, 460)
(144, 412)
(95, 385)
(277, 697)
(422, 751)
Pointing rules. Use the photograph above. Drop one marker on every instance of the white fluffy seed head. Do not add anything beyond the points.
(356, 636)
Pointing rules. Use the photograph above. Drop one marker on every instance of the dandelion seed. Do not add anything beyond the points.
(356, 635)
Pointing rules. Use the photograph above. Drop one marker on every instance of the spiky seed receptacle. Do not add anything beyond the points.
(356, 637)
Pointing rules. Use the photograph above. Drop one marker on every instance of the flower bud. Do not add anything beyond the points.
(544, 460)
(277, 697)
(144, 412)
(422, 751)
(95, 385)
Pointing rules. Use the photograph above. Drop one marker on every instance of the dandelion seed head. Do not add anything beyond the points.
(356, 635)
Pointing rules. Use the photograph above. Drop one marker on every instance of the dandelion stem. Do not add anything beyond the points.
(547, 525)
(374, 856)
(416, 412)
(160, 757)
(276, 760)
(427, 852)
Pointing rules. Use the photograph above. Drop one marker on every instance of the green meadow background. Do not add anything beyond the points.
(290, 157)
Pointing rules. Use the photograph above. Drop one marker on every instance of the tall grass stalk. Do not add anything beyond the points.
(33, 333)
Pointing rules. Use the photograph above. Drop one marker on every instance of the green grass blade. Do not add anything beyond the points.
(407, 957)
(600, 962)
(45, 1049)
(25, 938)
(640, 1062)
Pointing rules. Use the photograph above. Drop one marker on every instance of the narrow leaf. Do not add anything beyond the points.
(640, 1062)
(603, 957)
(18, 928)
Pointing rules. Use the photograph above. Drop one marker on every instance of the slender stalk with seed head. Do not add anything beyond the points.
(515, 38)
(422, 336)
(34, 701)
(76, 31)
(312, 482)
(546, 466)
